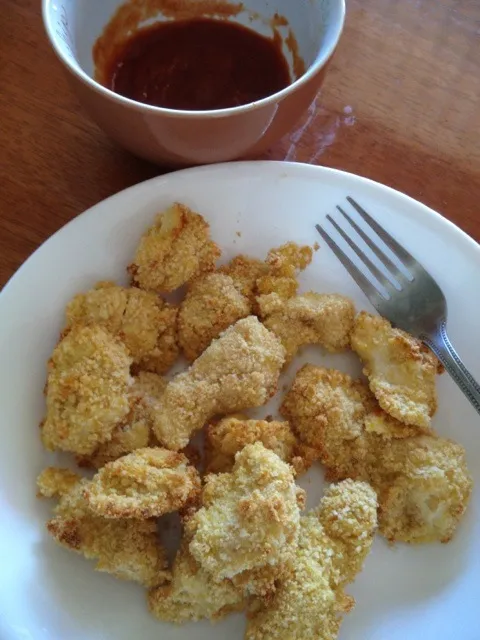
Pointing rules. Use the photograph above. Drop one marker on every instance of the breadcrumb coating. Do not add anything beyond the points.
(192, 594)
(238, 370)
(311, 318)
(87, 390)
(430, 491)
(422, 481)
(176, 248)
(224, 439)
(144, 484)
(284, 264)
(247, 528)
(56, 482)
(166, 350)
(325, 405)
(141, 319)
(333, 543)
(401, 370)
(136, 431)
(128, 549)
(245, 272)
(211, 305)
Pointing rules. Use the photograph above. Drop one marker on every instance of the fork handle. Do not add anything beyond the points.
(440, 344)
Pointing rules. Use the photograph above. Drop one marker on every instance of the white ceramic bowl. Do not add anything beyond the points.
(194, 137)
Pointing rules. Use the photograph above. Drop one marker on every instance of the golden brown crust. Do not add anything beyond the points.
(176, 248)
(422, 481)
(401, 370)
(55, 482)
(311, 318)
(87, 390)
(165, 352)
(245, 272)
(284, 263)
(136, 430)
(334, 541)
(211, 305)
(327, 407)
(247, 528)
(128, 549)
(430, 490)
(192, 594)
(144, 484)
(224, 439)
(144, 322)
(240, 369)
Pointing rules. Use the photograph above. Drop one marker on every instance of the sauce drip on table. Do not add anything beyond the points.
(197, 65)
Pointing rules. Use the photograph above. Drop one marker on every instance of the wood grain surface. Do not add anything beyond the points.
(401, 105)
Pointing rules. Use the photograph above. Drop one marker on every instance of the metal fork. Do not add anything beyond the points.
(411, 299)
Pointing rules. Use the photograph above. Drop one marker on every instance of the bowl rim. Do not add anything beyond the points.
(80, 74)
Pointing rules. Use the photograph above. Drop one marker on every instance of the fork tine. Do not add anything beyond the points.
(392, 268)
(402, 254)
(384, 281)
(365, 285)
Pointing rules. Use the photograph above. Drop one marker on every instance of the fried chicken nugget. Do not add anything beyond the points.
(284, 264)
(333, 543)
(422, 481)
(128, 549)
(217, 300)
(56, 482)
(211, 305)
(136, 431)
(247, 528)
(430, 490)
(245, 271)
(144, 484)
(192, 594)
(87, 390)
(327, 406)
(174, 250)
(311, 318)
(144, 322)
(238, 370)
(401, 370)
(224, 439)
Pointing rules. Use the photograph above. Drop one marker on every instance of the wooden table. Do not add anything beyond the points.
(401, 105)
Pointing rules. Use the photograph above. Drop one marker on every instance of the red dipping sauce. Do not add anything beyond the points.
(197, 65)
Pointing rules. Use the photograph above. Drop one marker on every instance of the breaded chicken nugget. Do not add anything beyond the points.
(142, 320)
(87, 390)
(224, 439)
(327, 405)
(422, 481)
(211, 305)
(53, 482)
(284, 264)
(333, 543)
(174, 250)
(166, 349)
(245, 272)
(247, 528)
(238, 370)
(144, 484)
(430, 490)
(128, 549)
(277, 274)
(401, 370)
(136, 431)
(192, 594)
(311, 318)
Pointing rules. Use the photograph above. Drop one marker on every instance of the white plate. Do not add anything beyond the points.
(47, 593)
